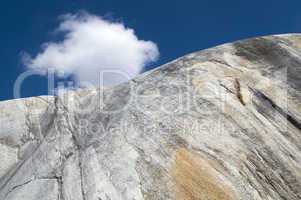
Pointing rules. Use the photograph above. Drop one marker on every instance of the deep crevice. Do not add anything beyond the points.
(289, 118)
(81, 175)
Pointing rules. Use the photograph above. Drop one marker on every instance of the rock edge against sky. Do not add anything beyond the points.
(222, 123)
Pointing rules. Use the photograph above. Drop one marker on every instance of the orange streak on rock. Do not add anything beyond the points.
(196, 179)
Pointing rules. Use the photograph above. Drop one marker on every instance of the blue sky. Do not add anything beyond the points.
(177, 27)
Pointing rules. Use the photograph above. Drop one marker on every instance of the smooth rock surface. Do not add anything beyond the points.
(222, 123)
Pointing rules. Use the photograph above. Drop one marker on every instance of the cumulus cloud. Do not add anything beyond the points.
(93, 46)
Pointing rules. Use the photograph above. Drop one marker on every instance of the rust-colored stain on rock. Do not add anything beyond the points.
(196, 179)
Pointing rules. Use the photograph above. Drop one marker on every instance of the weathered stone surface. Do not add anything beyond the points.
(223, 123)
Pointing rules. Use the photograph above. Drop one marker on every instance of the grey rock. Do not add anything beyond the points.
(222, 123)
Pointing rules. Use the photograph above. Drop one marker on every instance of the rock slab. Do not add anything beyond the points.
(222, 123)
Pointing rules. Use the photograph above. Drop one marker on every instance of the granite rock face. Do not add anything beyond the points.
(219, 124)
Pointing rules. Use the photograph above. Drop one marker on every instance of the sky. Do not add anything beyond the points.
(69, 34)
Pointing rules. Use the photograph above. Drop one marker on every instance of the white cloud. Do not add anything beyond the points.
(92, 45)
